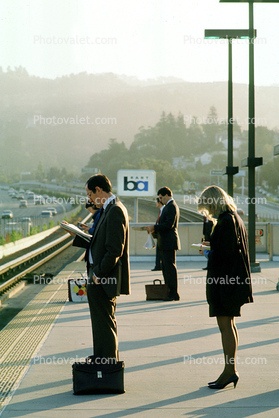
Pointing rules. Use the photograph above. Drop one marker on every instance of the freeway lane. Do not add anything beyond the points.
(6, 202)
(38, 223)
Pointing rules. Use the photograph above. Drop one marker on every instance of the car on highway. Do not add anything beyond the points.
(52, 210)
(30, 195)
(39, 200)
(7, 214)
(23, 204)
(26, 220)
(46, 214)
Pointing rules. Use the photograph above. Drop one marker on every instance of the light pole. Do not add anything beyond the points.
(229, 34)
(251, 162)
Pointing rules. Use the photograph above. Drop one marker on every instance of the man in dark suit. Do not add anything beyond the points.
(158, 260)
(168, 240)
(107, 258)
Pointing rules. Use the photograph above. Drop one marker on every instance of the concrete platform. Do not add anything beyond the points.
(171, 350)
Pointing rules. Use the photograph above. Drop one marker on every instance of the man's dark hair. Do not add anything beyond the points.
(164, 190)
(98, 180)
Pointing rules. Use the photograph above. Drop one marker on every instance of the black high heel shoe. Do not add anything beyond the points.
(234, 379)
(211, 383)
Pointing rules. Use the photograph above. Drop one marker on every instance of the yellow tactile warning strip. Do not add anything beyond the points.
(22, 337)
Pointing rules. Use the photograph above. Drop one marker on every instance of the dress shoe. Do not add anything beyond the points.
(171, 298)
(211, 383)
(233, 379)
(168, 299)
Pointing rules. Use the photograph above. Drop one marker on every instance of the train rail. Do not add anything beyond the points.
(186, 215)
(34, 259)
(12, 272)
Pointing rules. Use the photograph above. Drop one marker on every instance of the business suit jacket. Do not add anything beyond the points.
(110, 250)
(166, 229)
(228, 260)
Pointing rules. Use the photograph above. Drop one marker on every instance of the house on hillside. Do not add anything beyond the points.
(183, 163)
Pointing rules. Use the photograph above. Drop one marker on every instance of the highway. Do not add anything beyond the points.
(32, 211)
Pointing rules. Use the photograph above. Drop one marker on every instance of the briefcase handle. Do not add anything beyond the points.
(78, 281)
(157, 280)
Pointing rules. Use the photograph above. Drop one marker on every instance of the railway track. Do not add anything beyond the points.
(186, 215)
(13, 271)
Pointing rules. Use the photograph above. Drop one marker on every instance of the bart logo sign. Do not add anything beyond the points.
(137, 183)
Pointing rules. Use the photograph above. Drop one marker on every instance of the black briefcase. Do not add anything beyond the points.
(92, 378)
(156, 291)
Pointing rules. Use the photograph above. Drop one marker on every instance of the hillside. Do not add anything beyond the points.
(51, 120)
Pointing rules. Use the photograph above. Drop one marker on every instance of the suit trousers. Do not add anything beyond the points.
(158, 261)
(170, 271)
(104, 326)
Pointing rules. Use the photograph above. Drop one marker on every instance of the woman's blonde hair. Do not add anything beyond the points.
(213, 201)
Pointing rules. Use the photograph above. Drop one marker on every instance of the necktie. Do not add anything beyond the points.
(97, 218)
(88, 254)
(158, 217)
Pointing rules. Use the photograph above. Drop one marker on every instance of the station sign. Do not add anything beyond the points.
(216, 172)
(136, 183)
(259, 237)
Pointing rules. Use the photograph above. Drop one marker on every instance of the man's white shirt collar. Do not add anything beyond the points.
(108, 201)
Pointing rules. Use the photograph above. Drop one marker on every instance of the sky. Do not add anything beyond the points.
(147, 39)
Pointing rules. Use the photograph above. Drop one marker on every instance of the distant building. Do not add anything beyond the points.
(223, 138)
(204, 159)
(183, 163)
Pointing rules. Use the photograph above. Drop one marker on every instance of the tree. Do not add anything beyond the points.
(109, 161)
(40, 172)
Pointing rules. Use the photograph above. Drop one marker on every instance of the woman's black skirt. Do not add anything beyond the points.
(215, 310)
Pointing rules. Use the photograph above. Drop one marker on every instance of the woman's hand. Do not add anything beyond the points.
(204, 243)
(201, 250)
(84, 227)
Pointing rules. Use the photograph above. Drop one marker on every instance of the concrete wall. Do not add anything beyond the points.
(189, 233)
(267, 240)
(273, 241)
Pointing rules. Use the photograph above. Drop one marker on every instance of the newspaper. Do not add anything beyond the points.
(198, 246)
(75, 230)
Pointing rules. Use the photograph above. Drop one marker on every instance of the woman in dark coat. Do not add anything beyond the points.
(228, 282)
